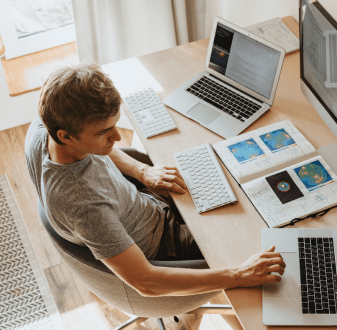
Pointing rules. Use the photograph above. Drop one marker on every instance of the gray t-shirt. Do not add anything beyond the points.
(90, 203)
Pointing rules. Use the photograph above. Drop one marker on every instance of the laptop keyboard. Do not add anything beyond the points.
(318, 275)
(224, 98)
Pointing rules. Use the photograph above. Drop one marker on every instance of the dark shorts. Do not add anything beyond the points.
(177, 242)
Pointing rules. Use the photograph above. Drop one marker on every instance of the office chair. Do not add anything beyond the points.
(101, 281)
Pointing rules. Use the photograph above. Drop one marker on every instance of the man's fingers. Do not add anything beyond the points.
(270, 255)
(180, 182)
(276, 261)
(175, 172)
(171, 173)
(172, 170)
(169, 167)
(276, 269)
(273, 278)
(172, 187)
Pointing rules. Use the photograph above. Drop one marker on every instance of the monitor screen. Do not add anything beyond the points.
(318, 40)
(244, 60)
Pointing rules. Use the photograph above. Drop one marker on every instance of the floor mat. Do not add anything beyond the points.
(25, 298)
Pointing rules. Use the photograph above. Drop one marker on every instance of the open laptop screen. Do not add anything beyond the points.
(244, 60)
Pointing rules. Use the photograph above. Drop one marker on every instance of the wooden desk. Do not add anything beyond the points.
(229, 235)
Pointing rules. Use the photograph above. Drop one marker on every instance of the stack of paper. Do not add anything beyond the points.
(276, 32)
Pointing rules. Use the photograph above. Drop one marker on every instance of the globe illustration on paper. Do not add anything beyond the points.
(313, 175)
(277, 140)
(283, 186)
(246, 150)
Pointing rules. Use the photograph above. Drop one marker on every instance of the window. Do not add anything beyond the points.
(28, 26)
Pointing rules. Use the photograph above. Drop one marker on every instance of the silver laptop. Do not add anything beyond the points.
(238, 85)
(306, 294)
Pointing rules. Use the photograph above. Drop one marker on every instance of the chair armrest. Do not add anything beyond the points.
(194, 264)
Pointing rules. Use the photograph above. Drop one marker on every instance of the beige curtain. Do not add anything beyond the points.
(112, 30)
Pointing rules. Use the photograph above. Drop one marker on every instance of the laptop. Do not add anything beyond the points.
(307, 292)
(238, 85)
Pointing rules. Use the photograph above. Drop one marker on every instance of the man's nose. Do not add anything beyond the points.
(115, 136)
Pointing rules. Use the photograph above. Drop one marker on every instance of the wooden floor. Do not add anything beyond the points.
(79, 308)
(27, 73)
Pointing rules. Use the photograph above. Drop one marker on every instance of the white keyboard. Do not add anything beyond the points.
(205, 178)
(149, 112)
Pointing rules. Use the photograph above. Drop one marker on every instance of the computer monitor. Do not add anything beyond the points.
(318, 47)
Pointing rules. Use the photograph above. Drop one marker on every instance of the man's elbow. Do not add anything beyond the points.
(148, 292)
(147, 289)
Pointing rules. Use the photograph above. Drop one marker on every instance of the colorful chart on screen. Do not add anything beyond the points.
(313, 175)
(277, 140)
(246, 150)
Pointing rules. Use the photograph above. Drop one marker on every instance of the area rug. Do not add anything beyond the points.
(26, 301)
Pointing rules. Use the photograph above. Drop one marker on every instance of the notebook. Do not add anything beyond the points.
(280, 171)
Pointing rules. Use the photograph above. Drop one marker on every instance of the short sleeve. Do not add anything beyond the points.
(97, 225)
(35, 136)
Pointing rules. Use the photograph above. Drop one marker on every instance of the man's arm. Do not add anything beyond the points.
(133, 268)
(159, 178)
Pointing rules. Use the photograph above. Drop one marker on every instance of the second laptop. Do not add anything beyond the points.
(238, 84)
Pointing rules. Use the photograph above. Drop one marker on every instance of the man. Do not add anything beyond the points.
(78, 175)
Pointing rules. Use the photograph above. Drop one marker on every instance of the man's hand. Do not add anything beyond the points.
(164, 179)
(258, 268)
(159, 178)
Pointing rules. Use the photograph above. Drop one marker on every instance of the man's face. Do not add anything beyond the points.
(98, 138)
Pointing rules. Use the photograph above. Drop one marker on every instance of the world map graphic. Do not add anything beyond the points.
(246, 150)
(313, 174)
(277, 139)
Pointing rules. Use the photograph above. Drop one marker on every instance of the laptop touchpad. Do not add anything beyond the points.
(290, 281)
(203, 113)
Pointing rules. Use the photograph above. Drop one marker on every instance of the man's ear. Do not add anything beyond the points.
(64, 137)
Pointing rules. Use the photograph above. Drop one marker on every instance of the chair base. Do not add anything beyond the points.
(161, 324)
(204, 309)
(130, 324)
(213, 309)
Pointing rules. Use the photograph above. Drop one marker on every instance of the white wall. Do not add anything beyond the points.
(248, 12)
(330, 6)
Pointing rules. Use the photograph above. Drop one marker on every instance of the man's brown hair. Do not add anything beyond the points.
(75, 96)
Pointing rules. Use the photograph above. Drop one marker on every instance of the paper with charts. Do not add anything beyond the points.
(276, 32)
(280, 171)
(265, 150)
(294, 192)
